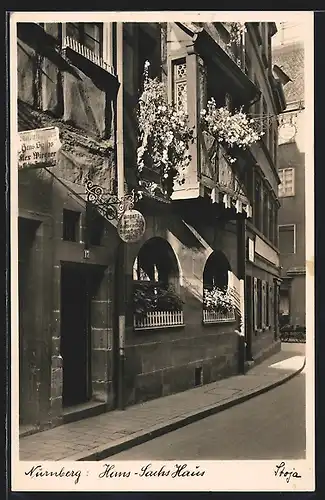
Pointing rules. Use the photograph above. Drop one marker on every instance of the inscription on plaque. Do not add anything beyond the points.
(131, 226)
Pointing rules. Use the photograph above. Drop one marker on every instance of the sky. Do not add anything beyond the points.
(288, 32)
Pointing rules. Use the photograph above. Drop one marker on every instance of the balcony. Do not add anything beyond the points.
(85, 52)
(89, 63)
(234, 50)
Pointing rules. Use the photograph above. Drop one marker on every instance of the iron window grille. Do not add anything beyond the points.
(180, 85)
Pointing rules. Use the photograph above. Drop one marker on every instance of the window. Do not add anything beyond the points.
(180, 85)
(262, 304)
(271, 221)
(70, 225)
(275, 144)
(287, 237)
(216, 271)
(269, 304)
(217, 297)
(287, 186)
(88, 34)
(249, 183)
(156, 301)
(276, 235)
(258, 204)
(266, 214)
(258, 306)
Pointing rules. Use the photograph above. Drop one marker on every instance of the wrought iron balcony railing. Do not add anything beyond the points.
(80, 49)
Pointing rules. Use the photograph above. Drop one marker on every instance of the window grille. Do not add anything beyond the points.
(180, 86)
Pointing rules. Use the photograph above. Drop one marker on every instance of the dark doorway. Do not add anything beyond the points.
(75, 333)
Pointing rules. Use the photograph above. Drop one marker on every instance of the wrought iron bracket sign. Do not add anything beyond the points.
(107, 204)
(131, 223)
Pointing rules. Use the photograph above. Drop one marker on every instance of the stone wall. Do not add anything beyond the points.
(163, 361)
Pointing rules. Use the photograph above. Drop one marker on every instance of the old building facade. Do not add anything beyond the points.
(288, 57)
(104, 324)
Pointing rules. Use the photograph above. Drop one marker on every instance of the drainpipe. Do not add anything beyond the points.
(120, 192)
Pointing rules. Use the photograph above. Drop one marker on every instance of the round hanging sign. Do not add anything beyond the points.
(131, 226)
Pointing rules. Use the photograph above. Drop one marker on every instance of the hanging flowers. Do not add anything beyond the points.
(217, 299)
(231, 129)
(164, 136)
(236, 31)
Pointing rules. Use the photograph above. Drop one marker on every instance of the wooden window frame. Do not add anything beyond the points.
(282, 171)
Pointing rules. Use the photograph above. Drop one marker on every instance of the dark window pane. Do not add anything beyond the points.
(70, 225)
(92, 37)
(88, 34)
(73, 30)
(286, 239)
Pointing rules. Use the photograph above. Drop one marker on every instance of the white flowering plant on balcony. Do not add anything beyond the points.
(230, 129)
(218, 300)
(164, 137)
(236, 31)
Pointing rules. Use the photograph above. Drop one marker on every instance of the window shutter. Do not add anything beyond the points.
(270, 304)
(263, 304)
(255, 303)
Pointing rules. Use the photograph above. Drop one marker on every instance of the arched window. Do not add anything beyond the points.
(156, 262)
(217, 300)
(156, 286)
(216, 271)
